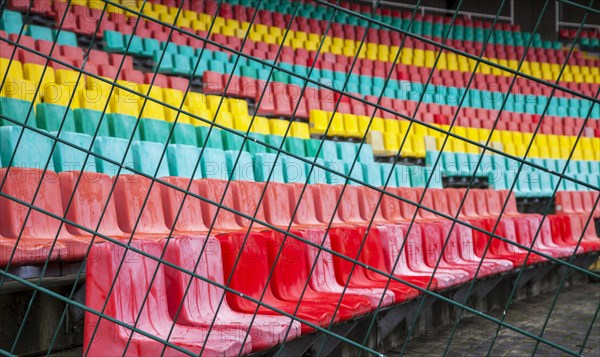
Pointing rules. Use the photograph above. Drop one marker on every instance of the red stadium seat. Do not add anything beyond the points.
(127, 303)
(199, 303)
(252, 257)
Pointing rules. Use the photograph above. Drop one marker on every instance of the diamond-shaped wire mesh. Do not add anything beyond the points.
(234, 176)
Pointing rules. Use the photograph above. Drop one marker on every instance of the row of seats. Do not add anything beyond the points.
(216, 160)
(386, 137)
(170, 58)
(501, 172)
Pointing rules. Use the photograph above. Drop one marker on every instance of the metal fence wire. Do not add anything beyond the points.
(231, 177)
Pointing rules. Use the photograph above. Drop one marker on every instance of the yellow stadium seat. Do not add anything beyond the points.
(351, 126)
(510, 149)
(238, 106)
(278, 126)
(173, 97)
(260, 125)
(61, 95)
(196, 101)
(418, 144)
(93, 99)
(391, 142)
(241, 122)
(12, 70)
(587, 149)
(21, 89)
(224, 119)
(34, 72)
(543, 152)
(300, 130)
(420, 129)
(150, 108)
(533, 152)
(124, 101)
(319, 121)
(391, 126)
(363, 122)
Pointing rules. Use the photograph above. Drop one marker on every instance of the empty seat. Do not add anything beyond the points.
(143, 305)
(199, 303)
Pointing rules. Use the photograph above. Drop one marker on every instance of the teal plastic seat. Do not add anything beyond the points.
(294, 170)
(372, 173)
(182, 160)
(346, 151)
(209, 139)
(337, 166)
(50, 117)
(40, 33)
(154, 130)
(65, 38)
(69, 158)
(135, 43)
(11, 21)
(112, 149)
(356, 173)
(266, 168)
(388, 174)
(17, 110)
(213, 164)
(182, 65)
(147, 157)
(33, 150)
(451, 166)
(113, 41)
(123, 126)
(244, 170)
(418, 176)
(365, 155)
(402, 175)
(317, 175)
(184, 134)
(163, 63)
(150, 46)
(88, 121)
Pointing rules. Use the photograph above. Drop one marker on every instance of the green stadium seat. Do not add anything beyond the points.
(232, 141)
(17, 110)
(276, 141)
(88, 121)
(112, 149)
(69, 158)
(213, 140)
(147, 156)
(185, 134)
(255, 145)
(154, 130)
(50, 117)
(182, 160)
(123, 126)
(113, 41)
(295, 146)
